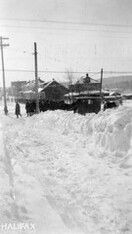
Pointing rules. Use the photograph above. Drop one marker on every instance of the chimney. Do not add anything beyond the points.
(87, 78)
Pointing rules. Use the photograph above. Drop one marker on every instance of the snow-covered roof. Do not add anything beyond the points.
(32, 83)
(71, 94)
(50, 82)
(28, 91)
(40, 89)
(81, 80)
(127, 94)
(47, 84)
(114, 93)
(90, 92)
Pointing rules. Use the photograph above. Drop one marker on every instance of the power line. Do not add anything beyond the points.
(66, 29)
(21, 51)
(65, 72)
(49, 71)
(67, 22)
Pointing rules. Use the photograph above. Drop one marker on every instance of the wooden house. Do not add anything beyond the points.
(53, 91)
(87, 93)
(86, 84)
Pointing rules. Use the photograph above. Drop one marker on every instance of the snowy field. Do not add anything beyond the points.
(63, 173)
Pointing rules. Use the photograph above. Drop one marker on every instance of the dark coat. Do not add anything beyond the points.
(27, 107)
(17, 109)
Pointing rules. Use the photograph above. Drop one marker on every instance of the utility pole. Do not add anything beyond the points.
(36, 77)
(101, 81)
(3, 71)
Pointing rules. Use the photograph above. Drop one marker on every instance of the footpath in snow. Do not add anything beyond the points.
(23, 205)
(66, 173)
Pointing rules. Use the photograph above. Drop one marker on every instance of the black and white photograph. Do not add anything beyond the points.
(65, 117)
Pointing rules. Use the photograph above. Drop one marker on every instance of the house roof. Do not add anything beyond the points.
(71, 94)
(28, 91)
(87, 98)
(32, 82)
(51, 82)
(48, 84)
(40, 89)
(81, 80)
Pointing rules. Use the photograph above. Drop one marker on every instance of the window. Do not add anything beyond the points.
(90, 102)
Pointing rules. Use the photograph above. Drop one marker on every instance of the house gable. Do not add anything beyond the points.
(54, 91)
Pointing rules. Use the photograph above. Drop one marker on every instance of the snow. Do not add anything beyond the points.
(67, 173)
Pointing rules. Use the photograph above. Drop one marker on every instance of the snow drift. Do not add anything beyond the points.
(110, 131)
(80, 164)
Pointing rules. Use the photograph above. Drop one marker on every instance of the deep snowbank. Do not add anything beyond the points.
(81, 164)
(109, 131)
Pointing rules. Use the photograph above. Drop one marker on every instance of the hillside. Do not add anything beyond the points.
(120, 82)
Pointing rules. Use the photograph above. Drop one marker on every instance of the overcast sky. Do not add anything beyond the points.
(75, 35)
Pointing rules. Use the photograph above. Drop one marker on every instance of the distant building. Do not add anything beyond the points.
(21, 88)
(87, 94)
(54, 91)
(16, 87)
(30, 85)
(85, 84)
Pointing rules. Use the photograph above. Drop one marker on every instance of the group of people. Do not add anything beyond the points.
(45, 105)
(30, 107)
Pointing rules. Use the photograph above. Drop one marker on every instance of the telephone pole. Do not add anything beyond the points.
(3, 71)
(101, 81)
(36, 77)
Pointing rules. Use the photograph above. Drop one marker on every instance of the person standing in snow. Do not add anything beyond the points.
(27, 107)
(17, 110)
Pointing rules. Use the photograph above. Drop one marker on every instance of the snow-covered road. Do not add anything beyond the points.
(22, 197)
(66, 173)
